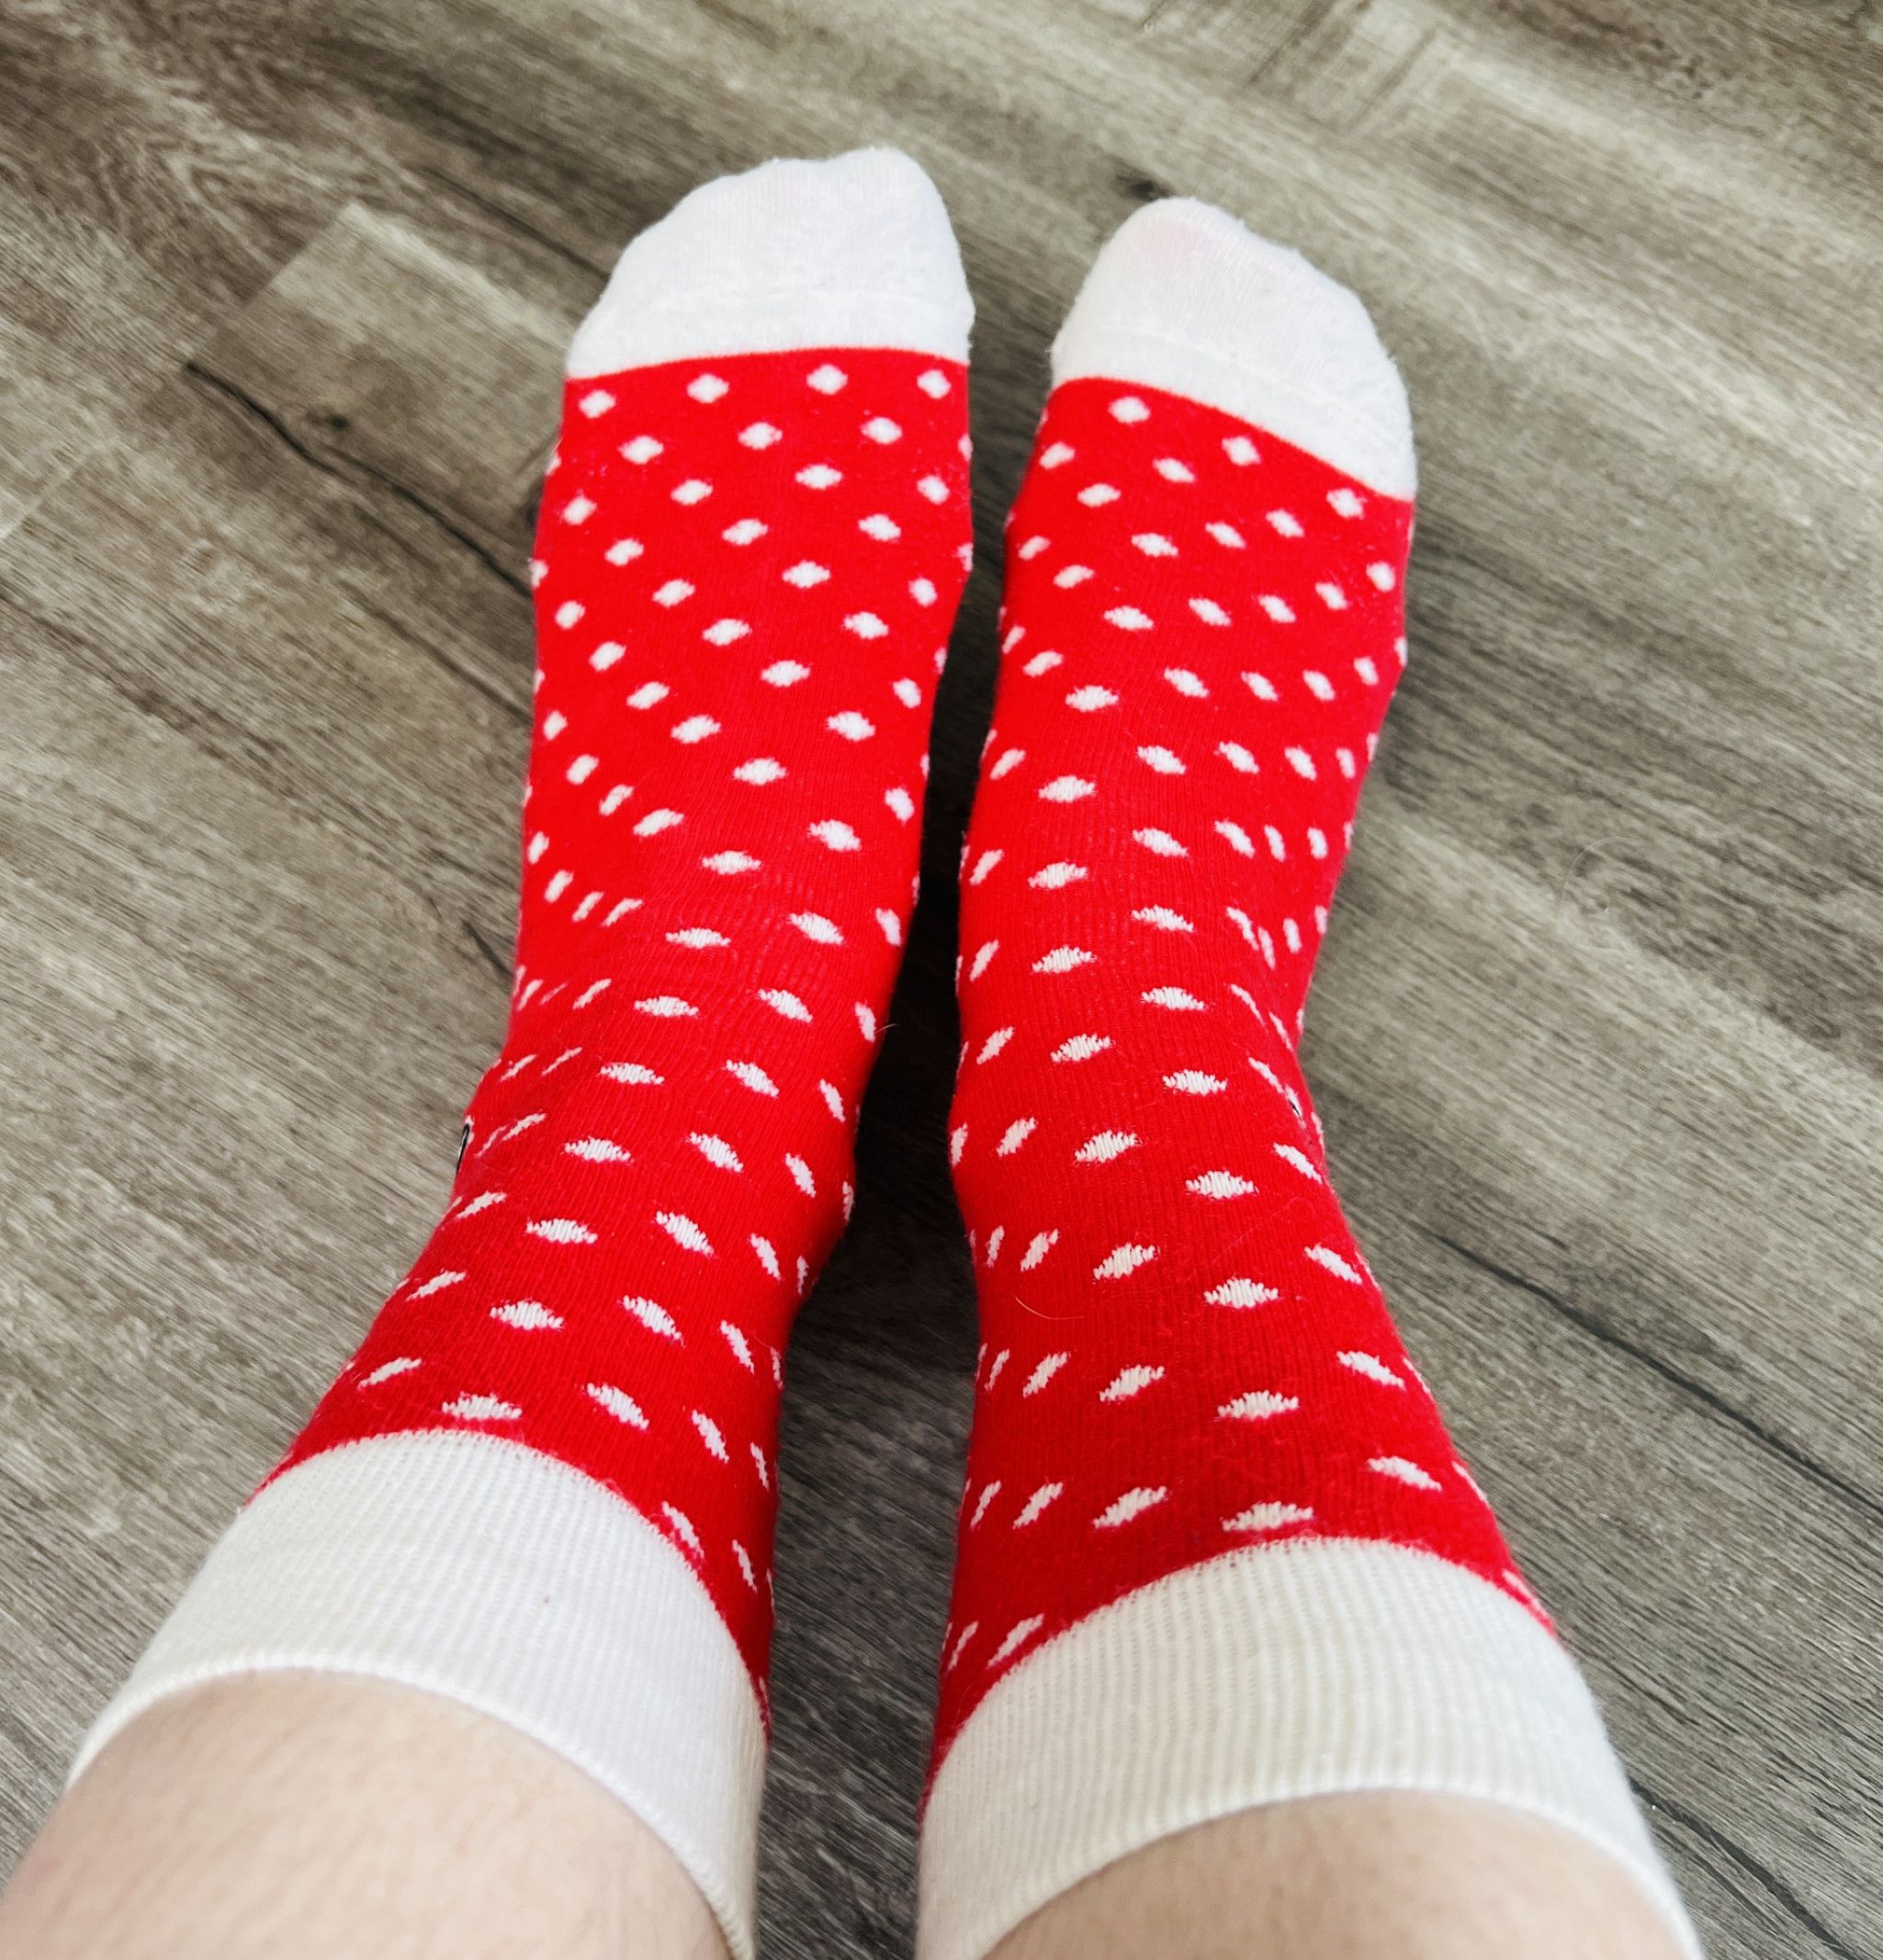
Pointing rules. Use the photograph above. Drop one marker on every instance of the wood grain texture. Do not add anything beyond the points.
(1599, 1036)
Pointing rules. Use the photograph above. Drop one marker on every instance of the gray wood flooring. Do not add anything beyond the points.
(1598, 1037)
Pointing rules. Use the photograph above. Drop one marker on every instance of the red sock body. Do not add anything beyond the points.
(1184, 1350)
(746, 571)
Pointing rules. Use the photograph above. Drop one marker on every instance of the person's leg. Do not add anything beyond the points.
(1218, 1557)
(544, 1488)
(310, 1817)
(1371, 1877)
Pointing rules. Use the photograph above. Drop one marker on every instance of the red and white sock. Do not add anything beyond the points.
(544, 1484)
(1215, 1548)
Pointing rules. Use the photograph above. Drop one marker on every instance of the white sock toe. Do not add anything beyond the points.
(852, 252)
(1184, 298)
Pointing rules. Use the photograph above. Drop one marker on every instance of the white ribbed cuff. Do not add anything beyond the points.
(501, 1579)
(855, 251)
(1299, 1670)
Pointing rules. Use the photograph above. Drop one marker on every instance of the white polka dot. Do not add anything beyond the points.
(1194, 1082)
(1082, 1047)
(1241, 1293)
(482, 1409)
(1064, 960)
(1044, 1372)
(1372, 1367)
(1036, 1504)
(1052, 877)
(1161, 842)
(1067, 789)
(1268, 1517)
(1134, 1503)
(1176, 999)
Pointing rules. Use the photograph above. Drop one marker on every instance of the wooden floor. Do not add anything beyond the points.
(1598, 1037)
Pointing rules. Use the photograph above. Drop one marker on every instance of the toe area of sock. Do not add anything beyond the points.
(1187, 299)
(852, 251)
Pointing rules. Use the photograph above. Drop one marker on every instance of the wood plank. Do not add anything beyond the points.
(1597, 1037)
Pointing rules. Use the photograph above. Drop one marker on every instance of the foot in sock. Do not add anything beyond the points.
(543, 1485)
(1215, 1548)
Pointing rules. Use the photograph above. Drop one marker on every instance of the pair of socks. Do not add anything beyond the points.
(1215, 1548)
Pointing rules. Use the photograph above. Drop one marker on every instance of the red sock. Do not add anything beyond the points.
(544, 1484)
(1216, 1546)
(746, 571)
